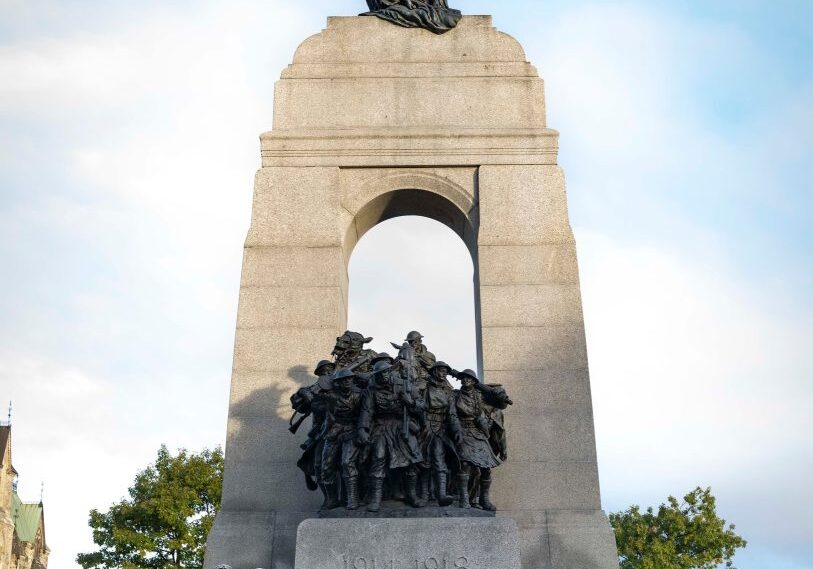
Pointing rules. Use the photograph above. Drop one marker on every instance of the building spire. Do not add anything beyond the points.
(42, 491)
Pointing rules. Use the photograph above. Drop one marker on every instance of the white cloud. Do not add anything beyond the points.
(698, 379)
(86, 436)
(650, 143)
(699, 365)
(153, 136)
(65, 434)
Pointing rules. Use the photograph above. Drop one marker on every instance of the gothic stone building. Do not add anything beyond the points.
(22, 525)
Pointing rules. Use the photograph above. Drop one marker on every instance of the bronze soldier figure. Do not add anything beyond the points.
(436, 445)
(424, 359)
(349, 350)
(307, 401)
(381, 424)
(364, 379)
(471, 429)
(495, 401)
(341, 451)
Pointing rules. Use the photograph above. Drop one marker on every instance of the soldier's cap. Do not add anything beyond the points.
(343, 374)
(414, 335)
(468, 373)
(357, 338)
(444, 365)
(381, 357)
(323, 364)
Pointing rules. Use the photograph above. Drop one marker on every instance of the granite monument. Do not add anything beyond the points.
(372, 121)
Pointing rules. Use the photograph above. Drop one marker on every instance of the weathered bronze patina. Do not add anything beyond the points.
(432, 15)
(392, 431)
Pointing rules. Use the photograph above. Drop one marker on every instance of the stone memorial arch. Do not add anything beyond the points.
(374, 121)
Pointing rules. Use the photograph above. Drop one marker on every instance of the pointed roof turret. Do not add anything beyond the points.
(5, 448)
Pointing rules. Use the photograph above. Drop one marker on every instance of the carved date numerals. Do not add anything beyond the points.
(433, 563)
(354, 562)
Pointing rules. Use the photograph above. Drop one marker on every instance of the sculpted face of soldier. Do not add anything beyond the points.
(325, 370)
(381, 372)
(440, 374)
(467, 383)
(345, 384)
(342, 345)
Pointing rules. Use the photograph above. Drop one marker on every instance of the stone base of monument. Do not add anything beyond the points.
(426, 543)
(396, 509)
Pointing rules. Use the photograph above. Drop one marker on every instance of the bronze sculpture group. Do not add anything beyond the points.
(393, 428)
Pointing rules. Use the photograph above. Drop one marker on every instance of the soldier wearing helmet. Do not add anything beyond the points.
(307, 401)
(364, 379)
(471, 430)
(340, 451)
(437, 448)
(423, 362)
(425, 358)
(392, 447)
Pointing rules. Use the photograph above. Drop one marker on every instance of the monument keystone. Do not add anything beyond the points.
(372, 121)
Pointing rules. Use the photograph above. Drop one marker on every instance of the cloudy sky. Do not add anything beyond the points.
(128, 144)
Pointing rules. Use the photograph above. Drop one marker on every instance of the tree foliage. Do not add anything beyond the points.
(164, 522)
(682, 535)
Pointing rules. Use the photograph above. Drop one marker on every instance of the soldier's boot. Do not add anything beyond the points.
(332, 496)
(395, 486)
(352, 485)
(325, 497)
(376, 488)
(423, 485)
(412, 491)
(443, 498)
(463, 491)
(485, 501)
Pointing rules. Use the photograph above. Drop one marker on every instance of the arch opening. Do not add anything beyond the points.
(414, 202)
(412, 273)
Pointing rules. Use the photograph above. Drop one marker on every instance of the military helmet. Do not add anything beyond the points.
(468, 373)
(382, 357)
(343, 374)
(412, 336)
(444, 365)
(322, 365)
(381, 366)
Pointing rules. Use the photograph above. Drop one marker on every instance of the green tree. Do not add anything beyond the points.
(682, 535)
(164, 522)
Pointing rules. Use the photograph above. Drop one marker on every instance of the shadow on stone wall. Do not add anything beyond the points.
(261, 453)
(264, 493)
